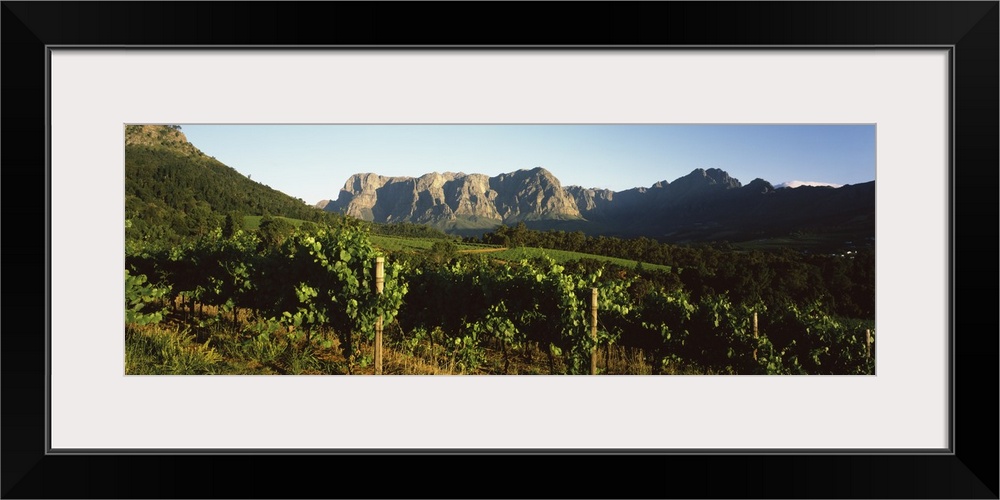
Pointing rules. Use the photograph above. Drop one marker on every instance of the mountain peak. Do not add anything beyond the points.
(759, 185)
(536, 172)
(701, 178)
(160, 136)
(719, 176)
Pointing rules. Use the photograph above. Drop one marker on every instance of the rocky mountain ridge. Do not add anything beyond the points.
(507, 198)
(168, 137)
(704, 201)
(443, 198)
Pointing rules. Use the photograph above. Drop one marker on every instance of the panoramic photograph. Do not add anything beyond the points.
(542, 249)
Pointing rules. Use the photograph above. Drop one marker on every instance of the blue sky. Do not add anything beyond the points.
(312, 162)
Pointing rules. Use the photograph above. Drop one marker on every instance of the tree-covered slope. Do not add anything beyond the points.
(173, 190)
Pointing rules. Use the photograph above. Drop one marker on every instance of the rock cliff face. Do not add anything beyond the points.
(458, 198)
(162, 136)
(532, 195)
(706, 204)
(591, 201)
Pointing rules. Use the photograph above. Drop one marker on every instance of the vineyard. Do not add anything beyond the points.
(304, 301)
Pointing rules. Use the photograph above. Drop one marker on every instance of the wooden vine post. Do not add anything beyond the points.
(593, 330)
(379, 286)
(868, 342)
(755, 335)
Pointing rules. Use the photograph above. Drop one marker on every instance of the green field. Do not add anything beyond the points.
(404, 244)
(397, 243)
(561, 256)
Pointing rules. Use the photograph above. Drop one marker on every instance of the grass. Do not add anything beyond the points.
(166, 351)
(397, 243)
(205, 346)
(402, 243)
(562, 256)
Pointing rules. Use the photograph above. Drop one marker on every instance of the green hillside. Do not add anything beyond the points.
(252, 222)
(174, 191)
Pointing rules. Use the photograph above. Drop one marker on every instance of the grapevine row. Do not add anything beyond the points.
(322, 280)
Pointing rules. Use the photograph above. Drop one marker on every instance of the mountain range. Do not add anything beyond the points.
(172, 189)
(706, 204)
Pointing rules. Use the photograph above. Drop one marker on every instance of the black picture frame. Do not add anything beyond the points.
(970, 470)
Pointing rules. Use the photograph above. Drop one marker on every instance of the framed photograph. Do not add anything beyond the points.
(921, 78)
